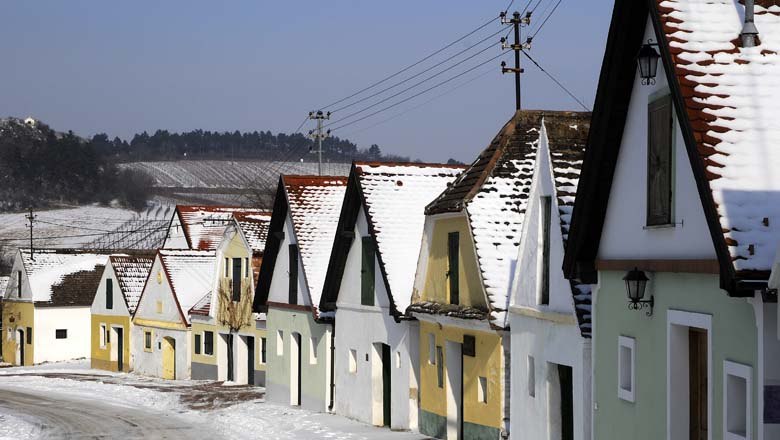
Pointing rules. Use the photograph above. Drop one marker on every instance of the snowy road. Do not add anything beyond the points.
(65, 417)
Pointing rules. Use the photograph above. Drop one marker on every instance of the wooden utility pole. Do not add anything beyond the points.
(516, 23)
(319, 116)
(31, 218)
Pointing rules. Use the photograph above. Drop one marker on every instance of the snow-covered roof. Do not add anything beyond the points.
(204, 225)
(732, 98)
(314, 206)
(47, 269)
(202, 307)
(255, 228)
(395, 196)
(131, 273)
(191, 274)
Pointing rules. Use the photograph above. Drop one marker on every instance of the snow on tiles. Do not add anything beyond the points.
(190, 274)
(732, 99)
(315, 204)
(201, 227)
(395, 197)
(47, 268)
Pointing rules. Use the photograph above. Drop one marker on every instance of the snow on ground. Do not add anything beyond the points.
(243, 413)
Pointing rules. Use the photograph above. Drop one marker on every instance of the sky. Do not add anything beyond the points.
(93, 66)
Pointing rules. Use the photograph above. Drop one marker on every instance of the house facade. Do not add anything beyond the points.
(228, 339)
(46, 305)
(467, 260)
(674, 223)
(112, 309)
(369, 283)
(178, 279)
(549, 317)
(300, 335)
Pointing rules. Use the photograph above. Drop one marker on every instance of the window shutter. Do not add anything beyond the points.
(367, 272)
(453, 246)
(197, 344)
(293, 267)
(546, 220)
(659, 162)
(208, 343)
(109, 294)
(236, 279)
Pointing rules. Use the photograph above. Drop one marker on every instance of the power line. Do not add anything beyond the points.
(383, 100)
(58, 237)
(418, 73)
(556, 81)
(421, 92)
(479, 28)
(545, 20)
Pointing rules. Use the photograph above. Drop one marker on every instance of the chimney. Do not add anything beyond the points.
(749, 30)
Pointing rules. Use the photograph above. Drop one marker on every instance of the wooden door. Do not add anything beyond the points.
(697, 380)
(386, 382)
(250, 360)
(120, 349)
(169, 358)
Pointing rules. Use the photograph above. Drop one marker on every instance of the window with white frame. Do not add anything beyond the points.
(313, 350)
(626, 384)
(482, 389)
(736, 401)
(279, 343)
(352, 360)
(102, 336)
(531, 376)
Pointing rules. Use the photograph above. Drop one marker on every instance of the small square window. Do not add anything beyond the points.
(159, 306)
(626, 385)
(279, 343)
(531, 376)
(352, 360)
(313, 351)
(61, 333)
(736, 401)
(482, 389)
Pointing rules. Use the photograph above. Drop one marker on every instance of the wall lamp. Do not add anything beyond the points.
(647, 59)
(636, 281)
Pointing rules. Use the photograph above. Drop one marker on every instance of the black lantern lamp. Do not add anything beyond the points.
(647, 59)
(636, 281)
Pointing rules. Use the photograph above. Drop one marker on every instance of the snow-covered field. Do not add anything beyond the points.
(242, 413)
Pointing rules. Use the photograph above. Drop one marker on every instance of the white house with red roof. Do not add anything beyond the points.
(676, 219)
(300, 335)
(368, 285)
(177, 280)
(549, 317)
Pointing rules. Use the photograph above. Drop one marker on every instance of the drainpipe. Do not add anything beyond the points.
(332, 367)
(749, 30)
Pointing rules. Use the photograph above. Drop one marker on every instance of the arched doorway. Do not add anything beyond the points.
(168, 358)
(19, 347)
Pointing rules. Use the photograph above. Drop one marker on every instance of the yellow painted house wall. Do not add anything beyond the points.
(22, 314)
(487, 363)
(436, 284)
(101, 356)
(200, 327)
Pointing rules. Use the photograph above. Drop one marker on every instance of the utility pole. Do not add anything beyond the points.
(31, 218)
(516, 23)
(319, 116)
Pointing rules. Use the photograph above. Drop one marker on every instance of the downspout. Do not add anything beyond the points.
(332, 367)
(506, 346)
(749, 30)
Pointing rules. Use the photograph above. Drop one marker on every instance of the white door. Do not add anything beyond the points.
(454, 363)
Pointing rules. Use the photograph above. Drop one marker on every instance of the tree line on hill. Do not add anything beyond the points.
(42, 168)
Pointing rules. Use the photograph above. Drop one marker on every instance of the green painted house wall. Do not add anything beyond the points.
(733, 337)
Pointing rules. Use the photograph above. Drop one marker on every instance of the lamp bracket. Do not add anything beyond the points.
(643, 304)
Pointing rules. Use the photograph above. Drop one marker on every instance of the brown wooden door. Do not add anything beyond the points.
(697, 350)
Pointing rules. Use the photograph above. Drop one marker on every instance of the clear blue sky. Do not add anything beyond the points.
(124, 67)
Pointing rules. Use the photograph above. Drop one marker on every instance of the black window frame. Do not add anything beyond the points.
(453, 267)
(147, 340)
(544, 286)
(18, 283)
(236, 280)
(263, 348)
(440, 366)
(61, 333)
(660, 108)
(367, 271)
(208, 343)
(292, 269)
(28, 334)
(197, 343)
(109, 294)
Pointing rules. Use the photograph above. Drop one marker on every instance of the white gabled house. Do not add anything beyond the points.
(300, 335)
(177, 280)
(549, 316)
(369, 284)
(46, 305)
(201, 227)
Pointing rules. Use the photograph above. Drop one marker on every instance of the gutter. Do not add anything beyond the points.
(332, 367)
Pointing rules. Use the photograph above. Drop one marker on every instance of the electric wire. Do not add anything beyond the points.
(383, 100)
(546, 19)
(556, 81)
(58, 237)
(421, 92)
(418, 73)
(405, 69)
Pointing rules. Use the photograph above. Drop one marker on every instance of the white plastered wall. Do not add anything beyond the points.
(76, 320)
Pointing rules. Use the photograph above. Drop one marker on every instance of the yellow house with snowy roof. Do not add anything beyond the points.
(228, 339)
(115, 301)
(178, 279)
(46, 305)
